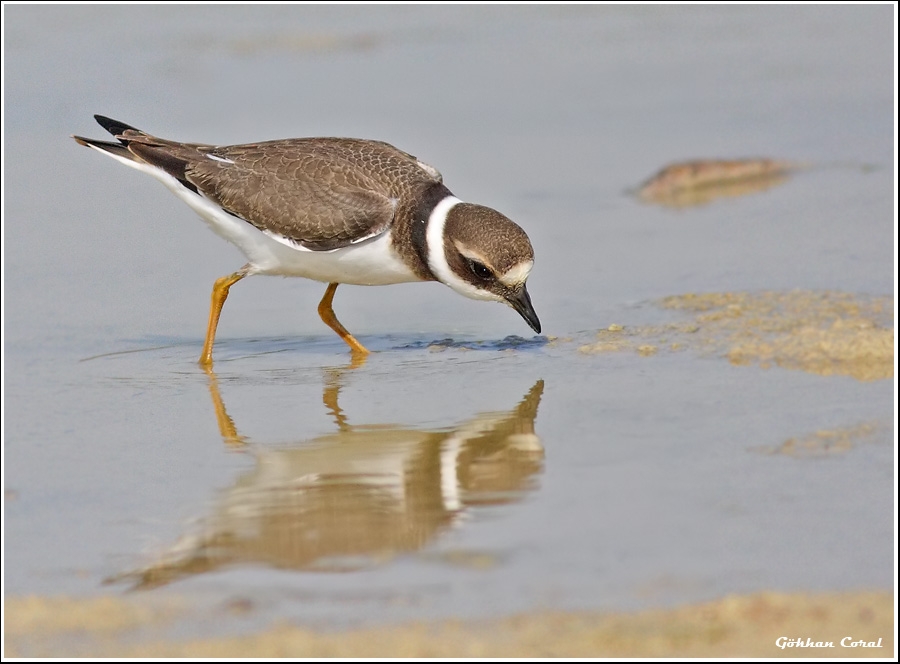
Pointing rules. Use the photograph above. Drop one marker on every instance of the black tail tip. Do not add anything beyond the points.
(114, 127)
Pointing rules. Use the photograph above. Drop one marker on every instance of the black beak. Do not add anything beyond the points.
(521, 302)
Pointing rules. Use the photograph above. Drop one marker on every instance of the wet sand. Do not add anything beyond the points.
(825, 333)
(735, 626)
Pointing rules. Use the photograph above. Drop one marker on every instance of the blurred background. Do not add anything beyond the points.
(567, 479)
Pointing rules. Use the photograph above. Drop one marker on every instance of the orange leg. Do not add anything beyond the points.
(219, 294)
(326, 313)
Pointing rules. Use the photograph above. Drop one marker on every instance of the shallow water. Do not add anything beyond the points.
(463, 470)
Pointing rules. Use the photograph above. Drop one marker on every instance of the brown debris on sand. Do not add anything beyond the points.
(700, 181)
(826, 333)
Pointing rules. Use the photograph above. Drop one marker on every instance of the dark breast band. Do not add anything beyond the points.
(419, 220)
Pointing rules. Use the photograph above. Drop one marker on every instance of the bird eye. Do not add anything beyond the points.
(480, 270)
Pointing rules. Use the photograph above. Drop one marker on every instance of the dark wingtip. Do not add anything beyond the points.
(114, 127)
(119, 149)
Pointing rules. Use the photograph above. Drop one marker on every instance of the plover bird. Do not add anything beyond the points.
(336, 210)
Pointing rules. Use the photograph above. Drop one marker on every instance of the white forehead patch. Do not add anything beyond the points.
(437, 258)
(517, 274)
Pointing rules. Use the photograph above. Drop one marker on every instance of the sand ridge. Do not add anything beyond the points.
(734, 626)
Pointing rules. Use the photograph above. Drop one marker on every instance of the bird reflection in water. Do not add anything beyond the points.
(356, 497)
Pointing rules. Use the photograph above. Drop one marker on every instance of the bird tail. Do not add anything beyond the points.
(115, 128)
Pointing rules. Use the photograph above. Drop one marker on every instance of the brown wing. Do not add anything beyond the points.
(321, 193)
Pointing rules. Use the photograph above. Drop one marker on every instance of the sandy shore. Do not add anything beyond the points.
(735, 626)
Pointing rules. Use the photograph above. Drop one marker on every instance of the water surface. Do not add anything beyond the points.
(467, 468)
